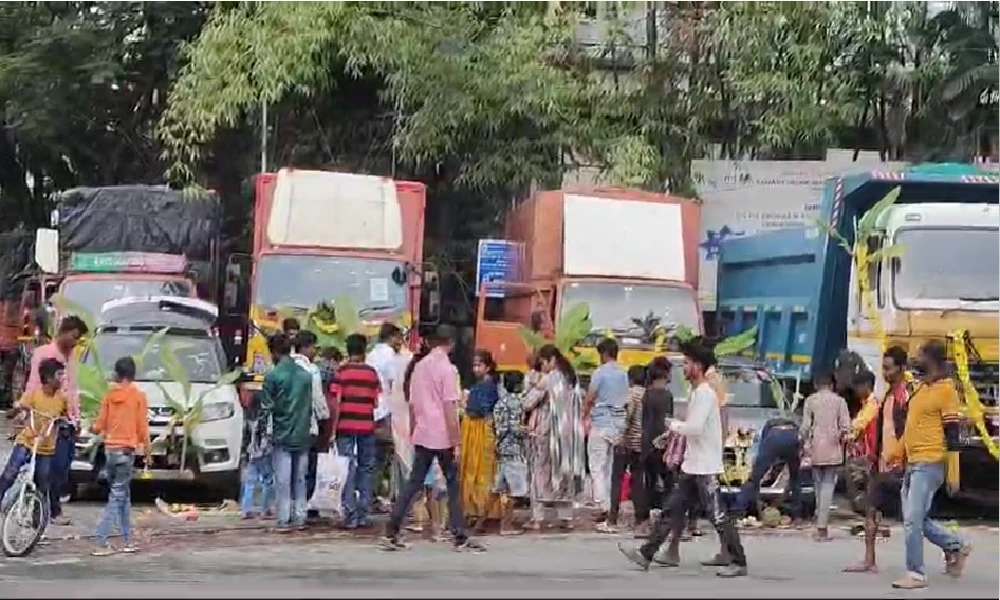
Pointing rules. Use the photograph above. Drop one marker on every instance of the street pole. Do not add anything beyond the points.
(263, 136)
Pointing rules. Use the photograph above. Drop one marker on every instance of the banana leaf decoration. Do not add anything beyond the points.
(186, 412)
(737, 344)
(573, 327)
(332, 322)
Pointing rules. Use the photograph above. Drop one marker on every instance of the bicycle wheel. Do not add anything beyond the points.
(24, 524)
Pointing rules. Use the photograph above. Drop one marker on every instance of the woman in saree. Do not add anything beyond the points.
(556, 437)
(478, 457)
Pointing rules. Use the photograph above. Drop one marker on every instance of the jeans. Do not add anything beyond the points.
(258, 475)
(692, 490)
(782, 445)
(600, 456)
(626, 460)
(359, 449)
(824, 482)
(422, 460)
(311, 465)
(290, 468)
(119, 507)
(920, 483)
(62, 460)
(19, 456)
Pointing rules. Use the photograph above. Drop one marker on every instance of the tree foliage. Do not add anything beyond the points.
(481, 101)
(485, 96)
(83, 85)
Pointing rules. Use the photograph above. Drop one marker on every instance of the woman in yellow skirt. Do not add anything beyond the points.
(478, 453)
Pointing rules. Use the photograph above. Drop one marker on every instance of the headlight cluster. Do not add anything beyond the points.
(217, 411)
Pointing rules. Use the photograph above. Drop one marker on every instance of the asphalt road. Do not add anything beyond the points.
(556, 566)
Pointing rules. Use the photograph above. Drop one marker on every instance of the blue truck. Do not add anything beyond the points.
(801, 289)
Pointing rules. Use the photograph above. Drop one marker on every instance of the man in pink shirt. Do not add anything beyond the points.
(433, 396)
(71, 329)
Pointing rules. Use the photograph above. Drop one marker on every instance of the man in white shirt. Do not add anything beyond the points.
(384, 359)
(699, 477)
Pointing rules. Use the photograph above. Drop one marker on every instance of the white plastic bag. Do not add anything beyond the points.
(331, 474)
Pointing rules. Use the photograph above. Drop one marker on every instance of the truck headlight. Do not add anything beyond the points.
(217, 411)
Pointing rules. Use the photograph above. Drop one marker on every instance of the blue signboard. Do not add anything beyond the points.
(496, 261)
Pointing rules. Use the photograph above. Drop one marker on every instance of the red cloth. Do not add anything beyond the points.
(626, 485)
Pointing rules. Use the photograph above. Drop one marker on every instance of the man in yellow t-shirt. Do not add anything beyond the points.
(933, 418)
(47, 403)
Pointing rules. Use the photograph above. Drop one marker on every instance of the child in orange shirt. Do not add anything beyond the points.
(124, 425)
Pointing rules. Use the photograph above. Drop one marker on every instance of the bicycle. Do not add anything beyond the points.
(24, 506)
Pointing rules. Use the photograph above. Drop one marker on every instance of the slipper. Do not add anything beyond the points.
(603, 527)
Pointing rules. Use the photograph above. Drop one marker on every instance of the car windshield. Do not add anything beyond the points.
(744, 386)
(948, 264)
(633, 309)
(305, 281)
(91, 294)
(199, 355)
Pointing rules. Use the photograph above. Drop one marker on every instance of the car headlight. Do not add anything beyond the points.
(217, 411)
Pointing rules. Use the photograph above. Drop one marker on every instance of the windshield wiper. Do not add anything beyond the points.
(376, 308)
(979, 298)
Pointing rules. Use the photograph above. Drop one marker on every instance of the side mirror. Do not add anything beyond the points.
(47, 250)
(430, 297)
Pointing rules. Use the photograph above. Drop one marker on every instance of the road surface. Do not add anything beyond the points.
(556, 566)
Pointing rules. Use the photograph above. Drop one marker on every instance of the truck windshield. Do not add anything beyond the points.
(942, 264)
(91, 294)
(298, 281)
(200, 356)
(617, 306)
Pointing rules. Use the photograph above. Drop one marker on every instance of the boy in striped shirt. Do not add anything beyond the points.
(356, 390)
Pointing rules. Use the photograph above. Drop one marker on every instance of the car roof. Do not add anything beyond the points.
(163, 311)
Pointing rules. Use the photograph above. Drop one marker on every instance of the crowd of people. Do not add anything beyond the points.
(533, 439)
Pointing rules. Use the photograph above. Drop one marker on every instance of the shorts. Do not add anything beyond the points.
(512, 478)
(885, 490)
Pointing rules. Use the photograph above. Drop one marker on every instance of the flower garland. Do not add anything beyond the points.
(972, 401)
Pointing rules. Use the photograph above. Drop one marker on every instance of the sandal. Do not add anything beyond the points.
(603, 527)
(533, 526)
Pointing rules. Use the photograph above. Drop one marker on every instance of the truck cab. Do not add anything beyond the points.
(946, 280)
(320, 237)
(629, 256)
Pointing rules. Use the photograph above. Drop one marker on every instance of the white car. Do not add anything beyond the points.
(212, 455)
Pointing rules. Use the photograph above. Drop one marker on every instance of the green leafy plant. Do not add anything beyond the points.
(650, 326)
(186, 410)
(573, 327)
(864, 259)
(737, 344)
(332, 322)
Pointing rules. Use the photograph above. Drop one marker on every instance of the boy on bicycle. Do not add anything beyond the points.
(48, 403)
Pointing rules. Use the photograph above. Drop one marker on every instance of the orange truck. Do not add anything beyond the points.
(322, 236)
(631, 256)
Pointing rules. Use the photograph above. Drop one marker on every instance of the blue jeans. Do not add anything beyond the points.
(781, 445)
(120, 464)
(290, 468)
(422, 461)
(19, 456)
(360, 451)
(62, 460)
(920, 483)
(258, 475)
